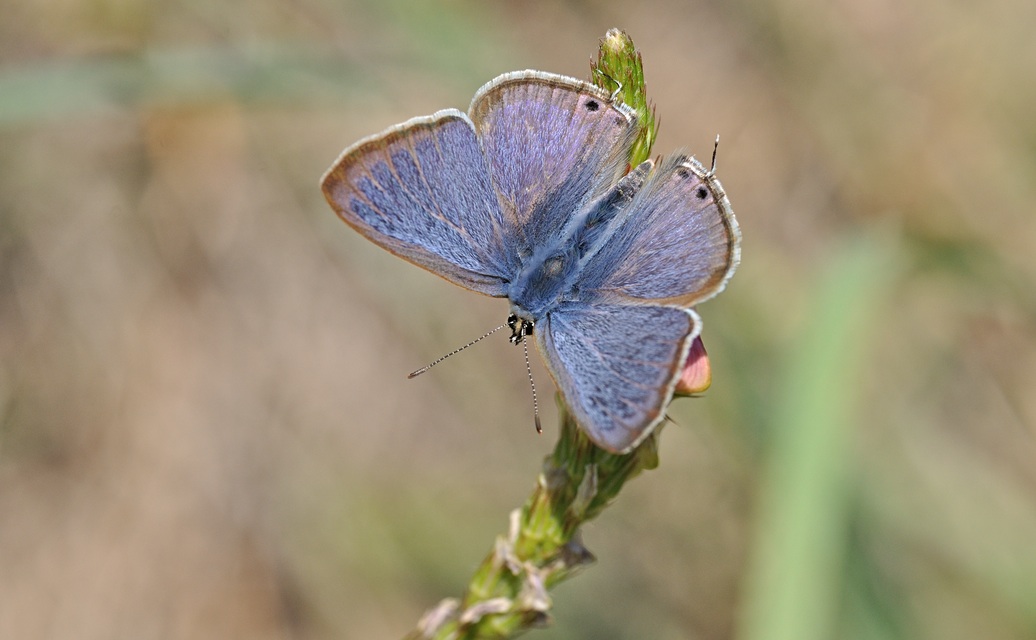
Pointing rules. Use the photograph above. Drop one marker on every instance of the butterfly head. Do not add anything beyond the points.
(520, 327)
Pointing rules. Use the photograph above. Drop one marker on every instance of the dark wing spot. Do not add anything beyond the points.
(702, 192)
(683, 173)
(592, 105)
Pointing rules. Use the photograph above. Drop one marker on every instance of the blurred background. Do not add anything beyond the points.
(205, 426)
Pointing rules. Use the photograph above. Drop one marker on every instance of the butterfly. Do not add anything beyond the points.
(529, 196)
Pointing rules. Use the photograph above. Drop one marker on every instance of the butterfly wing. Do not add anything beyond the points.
(423, 191)
(677, 243)
(616, 346)
(616, 366)
(553, 144)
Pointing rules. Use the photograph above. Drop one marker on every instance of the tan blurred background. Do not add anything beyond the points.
(205, 426)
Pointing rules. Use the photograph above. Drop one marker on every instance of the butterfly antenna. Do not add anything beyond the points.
(618, 85)
(456, 351)
(715, 148)
(532, 383)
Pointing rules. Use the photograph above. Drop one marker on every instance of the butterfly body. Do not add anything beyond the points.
(527, 196)
(551, 275)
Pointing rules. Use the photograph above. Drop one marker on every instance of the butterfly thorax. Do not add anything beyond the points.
(543, 282)
(551, 275)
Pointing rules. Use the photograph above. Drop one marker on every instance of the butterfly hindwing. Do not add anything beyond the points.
(616, 366)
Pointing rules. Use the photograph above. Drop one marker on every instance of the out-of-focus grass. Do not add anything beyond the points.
(795, 583)
(205, 429)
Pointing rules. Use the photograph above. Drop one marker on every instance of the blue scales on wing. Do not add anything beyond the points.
(676, 244)
(423, 191)
(616, 365)
(554, 145)
(617, 341)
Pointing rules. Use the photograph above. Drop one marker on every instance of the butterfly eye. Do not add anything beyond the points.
(592, 105)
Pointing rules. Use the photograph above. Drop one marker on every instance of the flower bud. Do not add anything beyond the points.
(696, 376)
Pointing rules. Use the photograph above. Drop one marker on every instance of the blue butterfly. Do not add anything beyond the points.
(527, 197)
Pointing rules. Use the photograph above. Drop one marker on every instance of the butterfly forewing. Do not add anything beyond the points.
(677, 243)
(423, 191)
(553, 145)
